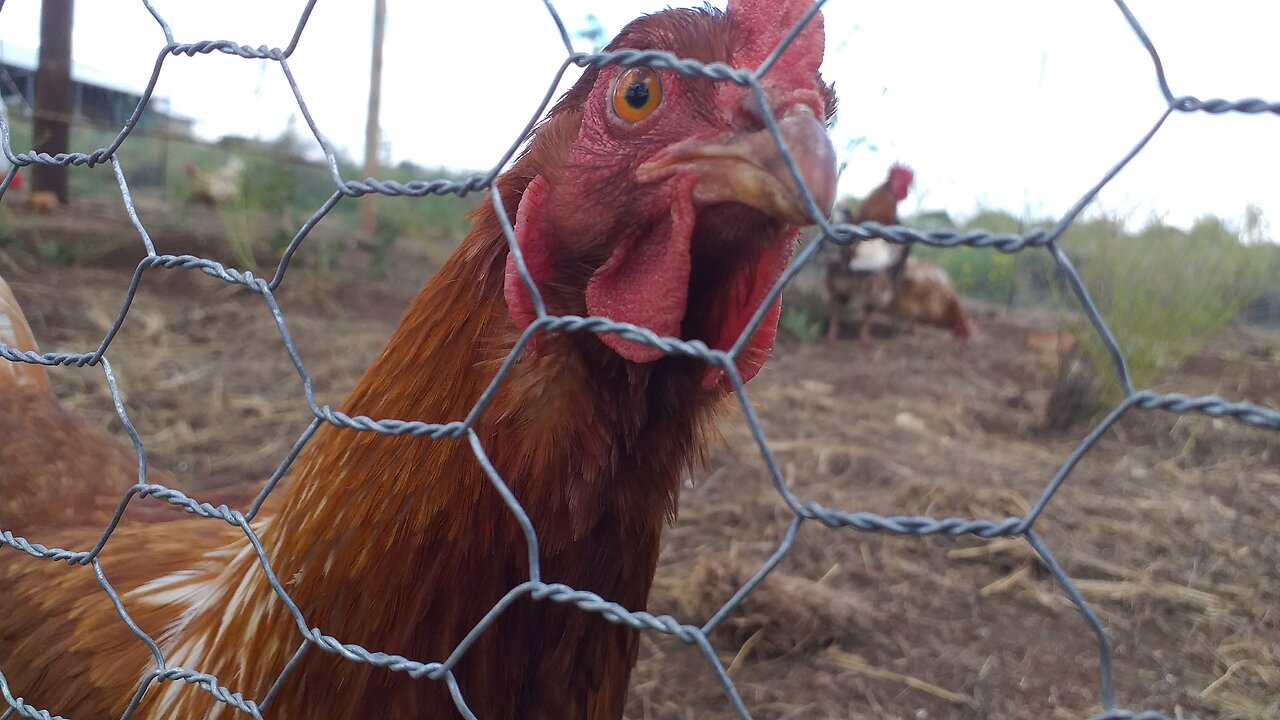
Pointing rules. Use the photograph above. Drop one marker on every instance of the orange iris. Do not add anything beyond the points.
(637, 92)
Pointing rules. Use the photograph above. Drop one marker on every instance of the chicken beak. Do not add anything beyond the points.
(749, 168)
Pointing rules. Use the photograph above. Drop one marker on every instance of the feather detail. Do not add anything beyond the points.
(873, 255)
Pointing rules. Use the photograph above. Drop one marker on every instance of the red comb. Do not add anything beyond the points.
(765, 23)
(900, 179)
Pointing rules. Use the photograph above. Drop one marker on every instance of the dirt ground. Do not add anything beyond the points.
(1170, 527)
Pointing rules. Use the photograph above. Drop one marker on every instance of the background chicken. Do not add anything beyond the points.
(926, 296)
(216, 188)
(868, 272)
(402, 544)
(879, 276)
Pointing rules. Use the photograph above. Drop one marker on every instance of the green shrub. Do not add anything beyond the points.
(1163, 292)
(986, 273)
(801, 322)
(276, 183)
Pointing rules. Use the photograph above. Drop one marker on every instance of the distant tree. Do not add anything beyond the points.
(1255, 228)
(932, 220)
(594, 33)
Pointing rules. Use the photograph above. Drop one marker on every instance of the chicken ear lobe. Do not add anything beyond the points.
(645, 281)
(535, 246)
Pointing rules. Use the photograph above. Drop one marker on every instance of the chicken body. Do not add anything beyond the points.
(401, 544)
(57, 469)
(43, 446)
(877, 276)
(926, 296)
(218, 187)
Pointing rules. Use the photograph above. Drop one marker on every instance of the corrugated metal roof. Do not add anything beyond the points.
(28, 58)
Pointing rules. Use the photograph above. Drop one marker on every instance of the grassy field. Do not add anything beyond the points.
(278, 187)
(1162, 290)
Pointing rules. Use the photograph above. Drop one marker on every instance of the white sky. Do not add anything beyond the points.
(1013, 104)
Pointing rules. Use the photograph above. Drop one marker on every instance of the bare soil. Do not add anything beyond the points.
(1170, 526)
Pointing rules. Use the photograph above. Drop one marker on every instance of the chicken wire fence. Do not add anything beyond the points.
(804, 511)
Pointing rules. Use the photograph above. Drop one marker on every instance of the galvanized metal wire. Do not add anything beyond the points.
(312, 639)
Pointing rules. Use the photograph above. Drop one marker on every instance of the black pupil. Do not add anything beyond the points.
(637, 94)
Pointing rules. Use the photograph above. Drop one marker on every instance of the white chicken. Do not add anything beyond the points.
(219, 187)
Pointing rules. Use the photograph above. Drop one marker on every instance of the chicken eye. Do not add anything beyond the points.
(637, 92)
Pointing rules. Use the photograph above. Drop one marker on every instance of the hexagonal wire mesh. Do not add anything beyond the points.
(587, 602)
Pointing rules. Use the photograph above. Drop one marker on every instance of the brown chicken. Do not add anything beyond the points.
(402, 544)
(41, 467)
(868, 273)
(926, 296)
(77, 471)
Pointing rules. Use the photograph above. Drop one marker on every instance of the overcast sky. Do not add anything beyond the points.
(1013, 104)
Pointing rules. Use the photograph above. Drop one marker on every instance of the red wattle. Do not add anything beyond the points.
(745, 300)
(536, 249)
(645, 281)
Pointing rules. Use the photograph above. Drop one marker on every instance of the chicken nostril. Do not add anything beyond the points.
(751, 113)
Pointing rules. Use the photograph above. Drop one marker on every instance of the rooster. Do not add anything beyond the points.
(869, 271)
(401, 544)
(217, 188)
